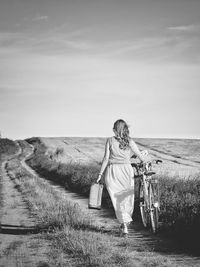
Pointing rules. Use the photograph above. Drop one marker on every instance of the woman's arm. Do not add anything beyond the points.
(105, 160)
(136, 150)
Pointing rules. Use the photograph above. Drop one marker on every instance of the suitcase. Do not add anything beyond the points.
(95, 196)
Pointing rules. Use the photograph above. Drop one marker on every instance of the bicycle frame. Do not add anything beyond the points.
(149, 206)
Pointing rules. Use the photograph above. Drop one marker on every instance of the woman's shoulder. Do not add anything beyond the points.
(109, 140)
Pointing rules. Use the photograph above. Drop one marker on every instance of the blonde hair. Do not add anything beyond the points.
(122, 133)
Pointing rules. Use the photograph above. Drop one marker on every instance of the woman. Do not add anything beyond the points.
(119, 174)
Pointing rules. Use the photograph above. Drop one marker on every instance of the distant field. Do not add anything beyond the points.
(188, 149)
(180, 156)
(76, 149)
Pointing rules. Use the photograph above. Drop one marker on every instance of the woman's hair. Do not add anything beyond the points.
(122, 133)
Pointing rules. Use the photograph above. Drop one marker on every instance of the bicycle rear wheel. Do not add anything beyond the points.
(154, 206)
(143, 207)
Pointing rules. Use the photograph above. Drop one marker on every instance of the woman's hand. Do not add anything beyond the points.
(99, 178)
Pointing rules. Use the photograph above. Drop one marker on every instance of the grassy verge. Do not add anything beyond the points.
(7, 147)
(1, 195)
(74, 239)
(180, 209)
(180, 202)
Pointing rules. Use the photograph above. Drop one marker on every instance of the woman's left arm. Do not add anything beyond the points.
(105, 160)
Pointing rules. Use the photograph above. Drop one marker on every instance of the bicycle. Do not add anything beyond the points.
(148, 194)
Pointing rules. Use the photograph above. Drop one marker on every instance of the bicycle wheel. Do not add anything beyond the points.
(154, 206)
(143, 207)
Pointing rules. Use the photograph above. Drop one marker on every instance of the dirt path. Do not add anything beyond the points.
(19, 246)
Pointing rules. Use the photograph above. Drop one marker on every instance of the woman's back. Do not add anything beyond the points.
(118, 155)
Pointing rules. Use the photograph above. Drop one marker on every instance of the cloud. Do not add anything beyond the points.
(166, 47)
(120, 47)
(47, 43)
(10, 36)
(38, 18)
(185, 28)
(10, 41)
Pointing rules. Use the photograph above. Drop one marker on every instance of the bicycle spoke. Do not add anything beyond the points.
(143, 207)
(154, 208)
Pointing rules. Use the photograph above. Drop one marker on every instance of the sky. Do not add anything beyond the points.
(73, 67)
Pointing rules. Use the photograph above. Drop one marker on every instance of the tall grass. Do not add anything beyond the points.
(180, 201)
(180, 209)
(1, 195)
(7, 147)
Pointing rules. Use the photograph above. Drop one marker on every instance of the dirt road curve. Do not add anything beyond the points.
(18, 243)
(20, 246)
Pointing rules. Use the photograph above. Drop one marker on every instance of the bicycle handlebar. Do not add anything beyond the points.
(144, 165)
(140, 164)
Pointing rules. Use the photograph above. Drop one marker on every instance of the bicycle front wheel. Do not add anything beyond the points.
(143, 207)
(154, 206)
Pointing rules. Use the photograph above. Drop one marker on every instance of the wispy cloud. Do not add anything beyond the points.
(120, 47)
(10, 40)
(38, 18)
(163, 47)
(49, 42)
(185, 28)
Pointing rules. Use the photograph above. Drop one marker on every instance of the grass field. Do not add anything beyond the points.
(188, 149)
(180, 156)
(73, 238)
(74, 163)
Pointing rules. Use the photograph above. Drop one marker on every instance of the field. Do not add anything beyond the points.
(69, 236)
(180, 156)
(75, 162)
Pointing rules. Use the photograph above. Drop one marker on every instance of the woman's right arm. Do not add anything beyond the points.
(136, 150)
(105, 160)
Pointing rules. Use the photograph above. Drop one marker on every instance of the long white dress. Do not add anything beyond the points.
(119, 180)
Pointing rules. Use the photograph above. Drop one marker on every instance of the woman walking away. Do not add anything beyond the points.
(119, 174)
